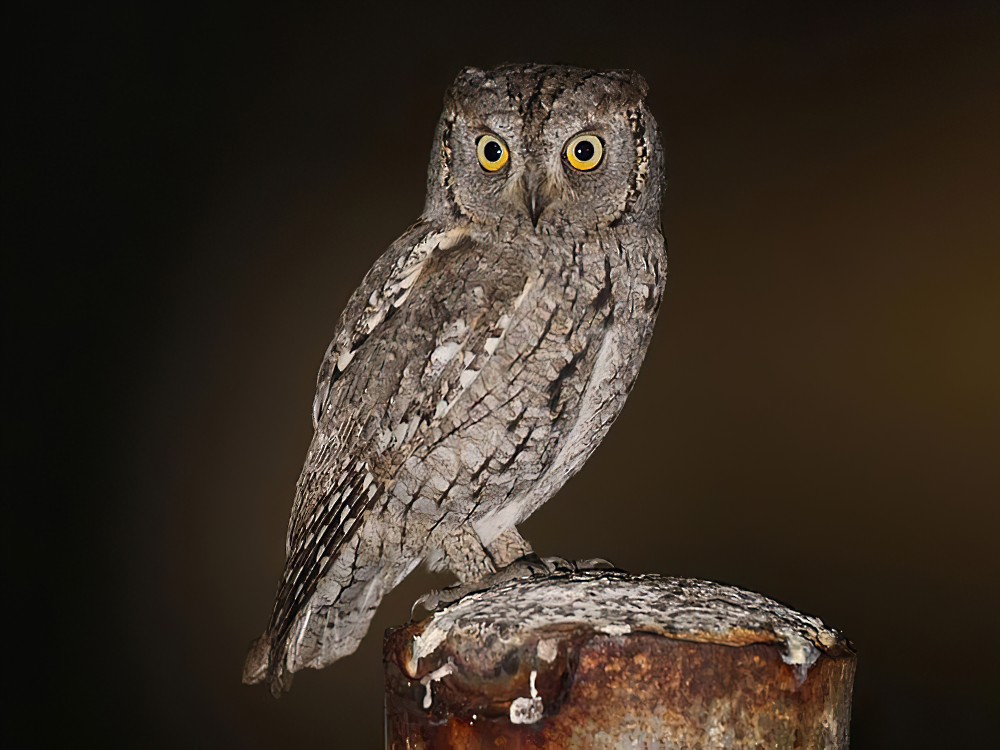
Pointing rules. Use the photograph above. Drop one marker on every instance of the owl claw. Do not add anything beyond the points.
(438, 599)
(561, 565)
(428, 602)
(595, 563)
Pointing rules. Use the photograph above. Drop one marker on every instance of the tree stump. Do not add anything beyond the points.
(604, 659)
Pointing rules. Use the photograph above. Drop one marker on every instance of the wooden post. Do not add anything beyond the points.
(604, 659)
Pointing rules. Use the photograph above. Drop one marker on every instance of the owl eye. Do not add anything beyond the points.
(584, 152)
(492, 152)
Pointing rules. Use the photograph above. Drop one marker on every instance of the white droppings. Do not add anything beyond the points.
(548, 650)
(435, 676)
(425, 644)
(800, 654)
(799, 651)
(615, 629)
(491, 344)
(527, 710)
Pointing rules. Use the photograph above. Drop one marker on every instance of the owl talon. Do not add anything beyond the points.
(428, 602)
(439, 599)
(552, 565)
(595, 563)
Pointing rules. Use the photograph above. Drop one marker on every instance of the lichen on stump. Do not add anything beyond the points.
(604, 659)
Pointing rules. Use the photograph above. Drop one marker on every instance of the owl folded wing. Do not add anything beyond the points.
(413, 339)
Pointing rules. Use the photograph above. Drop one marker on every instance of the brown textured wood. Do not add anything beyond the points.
(689, 665)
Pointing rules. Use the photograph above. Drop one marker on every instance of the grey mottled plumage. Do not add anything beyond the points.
(484, 356)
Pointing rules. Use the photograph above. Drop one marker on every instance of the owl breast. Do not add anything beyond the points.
(563, 353)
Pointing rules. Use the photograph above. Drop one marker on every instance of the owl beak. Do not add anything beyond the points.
(535, 199)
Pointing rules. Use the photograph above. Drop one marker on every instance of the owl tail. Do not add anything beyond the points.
(328, 628)
(256, 664)
(265, 664)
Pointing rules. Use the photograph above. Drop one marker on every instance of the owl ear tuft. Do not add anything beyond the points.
(469, 80)
(469, 75)
(636, 81)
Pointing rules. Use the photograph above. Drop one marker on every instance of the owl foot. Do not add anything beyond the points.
(555, 565)
(528, 566)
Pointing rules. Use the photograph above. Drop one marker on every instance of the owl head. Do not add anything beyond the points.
(546, 147)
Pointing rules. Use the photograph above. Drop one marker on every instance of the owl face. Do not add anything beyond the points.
(546, 147)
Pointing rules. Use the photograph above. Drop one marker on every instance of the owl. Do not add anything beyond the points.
(484, 356)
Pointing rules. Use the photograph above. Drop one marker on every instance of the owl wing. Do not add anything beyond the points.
(384, 289)
(382, 292)
(413, 338)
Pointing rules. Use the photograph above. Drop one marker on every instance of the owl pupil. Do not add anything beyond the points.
(584, 151)
(492, 151)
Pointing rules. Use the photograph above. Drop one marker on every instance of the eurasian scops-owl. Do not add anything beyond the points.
(485, 354)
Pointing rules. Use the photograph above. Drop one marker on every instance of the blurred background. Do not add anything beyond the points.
(191, 197)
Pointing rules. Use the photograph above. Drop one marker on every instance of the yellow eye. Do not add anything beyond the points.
(584, 152)
(492, 152)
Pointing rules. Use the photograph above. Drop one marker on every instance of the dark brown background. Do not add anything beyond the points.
(195, 196)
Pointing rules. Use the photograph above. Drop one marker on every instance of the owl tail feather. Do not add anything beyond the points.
(328, 627)
(258, 667)
(255, 667)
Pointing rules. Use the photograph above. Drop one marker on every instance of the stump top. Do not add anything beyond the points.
(482, 626)
(604, 659)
